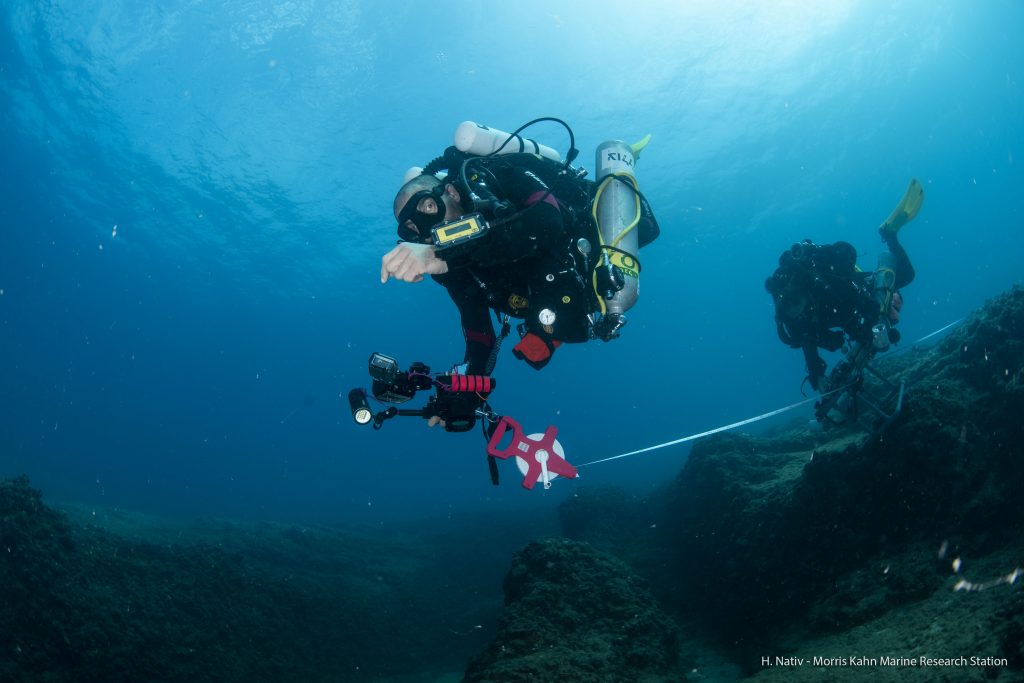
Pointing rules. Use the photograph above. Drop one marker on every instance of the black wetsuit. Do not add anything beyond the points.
(524, 264)
(840, 300)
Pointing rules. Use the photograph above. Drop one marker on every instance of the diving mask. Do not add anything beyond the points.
(417, 210)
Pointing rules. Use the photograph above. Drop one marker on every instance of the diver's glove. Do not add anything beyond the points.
(535, 349)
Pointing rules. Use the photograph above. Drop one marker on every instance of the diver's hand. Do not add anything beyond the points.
(409, 262)
(435, 420)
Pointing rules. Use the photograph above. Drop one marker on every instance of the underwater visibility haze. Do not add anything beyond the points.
(196, 197)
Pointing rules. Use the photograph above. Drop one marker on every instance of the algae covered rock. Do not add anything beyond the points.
(576, 614)
(218, 601)
(822, 532)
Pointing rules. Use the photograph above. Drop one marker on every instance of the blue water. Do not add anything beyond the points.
(195, 200)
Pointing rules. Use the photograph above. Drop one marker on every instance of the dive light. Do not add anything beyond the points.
(361, 412)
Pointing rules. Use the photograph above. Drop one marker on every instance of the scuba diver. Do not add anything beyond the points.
(823, 300)
(511, 228)
(505, 225)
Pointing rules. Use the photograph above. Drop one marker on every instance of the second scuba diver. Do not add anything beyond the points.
(823, 300)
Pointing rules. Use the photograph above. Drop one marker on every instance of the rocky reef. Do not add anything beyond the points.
(100, 595)
(808, 543)
(801, 556)
(576, 614)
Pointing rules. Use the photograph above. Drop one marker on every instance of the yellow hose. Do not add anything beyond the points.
(618, 238)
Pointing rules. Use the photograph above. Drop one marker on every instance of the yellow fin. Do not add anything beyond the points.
(638, 147)
(907, 209)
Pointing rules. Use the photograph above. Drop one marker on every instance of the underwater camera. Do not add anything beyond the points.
(457, 398)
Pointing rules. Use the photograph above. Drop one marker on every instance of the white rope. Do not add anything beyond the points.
(749, 420)
(938, 331)
(707, 433)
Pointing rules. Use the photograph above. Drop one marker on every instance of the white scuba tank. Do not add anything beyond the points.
(413, 172)
(416, 171)
(481, 140)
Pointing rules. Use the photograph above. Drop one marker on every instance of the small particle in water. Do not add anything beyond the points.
(113, 233)
(101, 247)
(956, 565)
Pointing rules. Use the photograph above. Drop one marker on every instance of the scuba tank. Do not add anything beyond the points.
(477, 139)
(617, 213)
(884, 281)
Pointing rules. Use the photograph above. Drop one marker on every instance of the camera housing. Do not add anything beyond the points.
(393, 386)
(458, 398)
